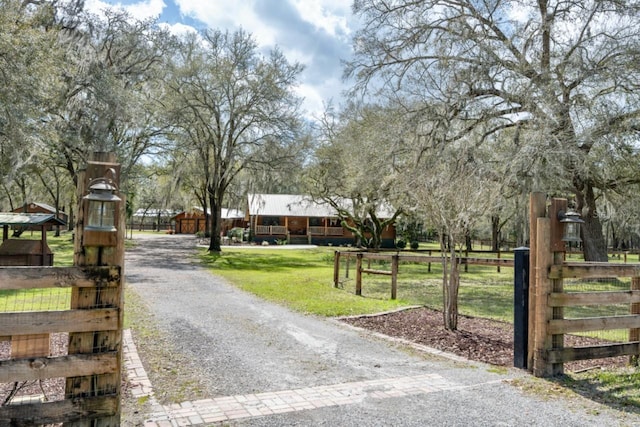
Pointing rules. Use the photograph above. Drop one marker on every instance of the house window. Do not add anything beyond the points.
(315, 222)
(271, 220)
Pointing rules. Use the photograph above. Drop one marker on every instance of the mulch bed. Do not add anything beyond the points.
(478, 339)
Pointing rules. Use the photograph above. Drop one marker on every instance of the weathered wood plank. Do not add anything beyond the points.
(56, 412)
(57, 277)
(372, 271)
(30, 369)
(563, 326)
(27, 323)
(593, 298)
(593, 270)
(569, 354)
(423, 259)
(486, 261)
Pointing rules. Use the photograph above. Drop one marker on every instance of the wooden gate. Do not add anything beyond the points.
(549, 298)
(83, 303)
(32, 381)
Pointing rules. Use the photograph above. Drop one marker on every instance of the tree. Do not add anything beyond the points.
(355, 168)
(112, 68)
(231, 103)
(28, 55)
(448, 187)
(562, 73)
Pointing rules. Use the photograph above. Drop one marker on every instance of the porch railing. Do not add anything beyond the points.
(271, 230)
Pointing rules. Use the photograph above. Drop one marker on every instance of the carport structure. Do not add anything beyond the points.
(22, 251)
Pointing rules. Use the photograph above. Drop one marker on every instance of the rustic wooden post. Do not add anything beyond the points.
(347, 265)
(429, 263)
(498, 269)
(559, 251)
(542, 314)
(336, 269)
(359, 273)
(537, 209)
(95, 248)
(394, 276)
(634, 334)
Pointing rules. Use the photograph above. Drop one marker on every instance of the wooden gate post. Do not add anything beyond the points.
(107, 250)
(537, 209)
(544, 260)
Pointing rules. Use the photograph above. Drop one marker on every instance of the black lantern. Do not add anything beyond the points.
(102, 205)
(571, 223)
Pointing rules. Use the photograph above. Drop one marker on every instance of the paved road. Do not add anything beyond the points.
(268, 366)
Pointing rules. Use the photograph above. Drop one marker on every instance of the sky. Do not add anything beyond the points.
(315, 33)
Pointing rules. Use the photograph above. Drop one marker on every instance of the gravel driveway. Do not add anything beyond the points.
(246, 346)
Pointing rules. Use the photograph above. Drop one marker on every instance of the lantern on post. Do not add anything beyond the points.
(102, 207)
(571, 222)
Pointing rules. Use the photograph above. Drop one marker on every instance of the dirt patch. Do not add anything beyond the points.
(478, 339)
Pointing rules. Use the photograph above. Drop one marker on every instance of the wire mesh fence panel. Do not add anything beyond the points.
(21, 300)
(577, 286)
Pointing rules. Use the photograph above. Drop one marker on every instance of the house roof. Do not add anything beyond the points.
(153, 212)
(43, 206)
(287, 204)
(15, 218)
(225, 213)
(297, 205)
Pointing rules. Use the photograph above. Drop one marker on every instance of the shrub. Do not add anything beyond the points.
(415, 245)
(401, 244)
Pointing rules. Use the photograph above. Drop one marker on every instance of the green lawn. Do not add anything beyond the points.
(50, 299)
(303, 280)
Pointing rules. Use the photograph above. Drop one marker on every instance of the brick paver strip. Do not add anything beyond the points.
(262, 404)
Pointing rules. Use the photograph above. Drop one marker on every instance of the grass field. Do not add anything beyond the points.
(303, 280)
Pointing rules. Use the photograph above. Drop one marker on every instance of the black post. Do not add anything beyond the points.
(520, 307)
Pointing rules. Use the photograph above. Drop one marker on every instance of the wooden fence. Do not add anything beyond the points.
(96, 362)
(395, 259)
(548, 297)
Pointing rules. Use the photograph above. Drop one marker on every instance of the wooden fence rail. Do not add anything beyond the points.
(98, 361)
(395, 259)
(549, 296)
(553, 354)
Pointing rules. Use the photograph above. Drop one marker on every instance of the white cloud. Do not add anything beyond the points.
(229, 16)
(178, 29)
(329, 16)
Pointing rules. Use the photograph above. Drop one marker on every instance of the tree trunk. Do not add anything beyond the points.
(593, 243)
(495, 233)
(216, 216)
(450, 286)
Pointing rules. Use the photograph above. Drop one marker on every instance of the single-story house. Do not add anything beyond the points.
(299, 220)
(43, 208)
(193, 221)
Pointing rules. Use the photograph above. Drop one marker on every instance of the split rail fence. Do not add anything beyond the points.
(88, 372)
(395, 259)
